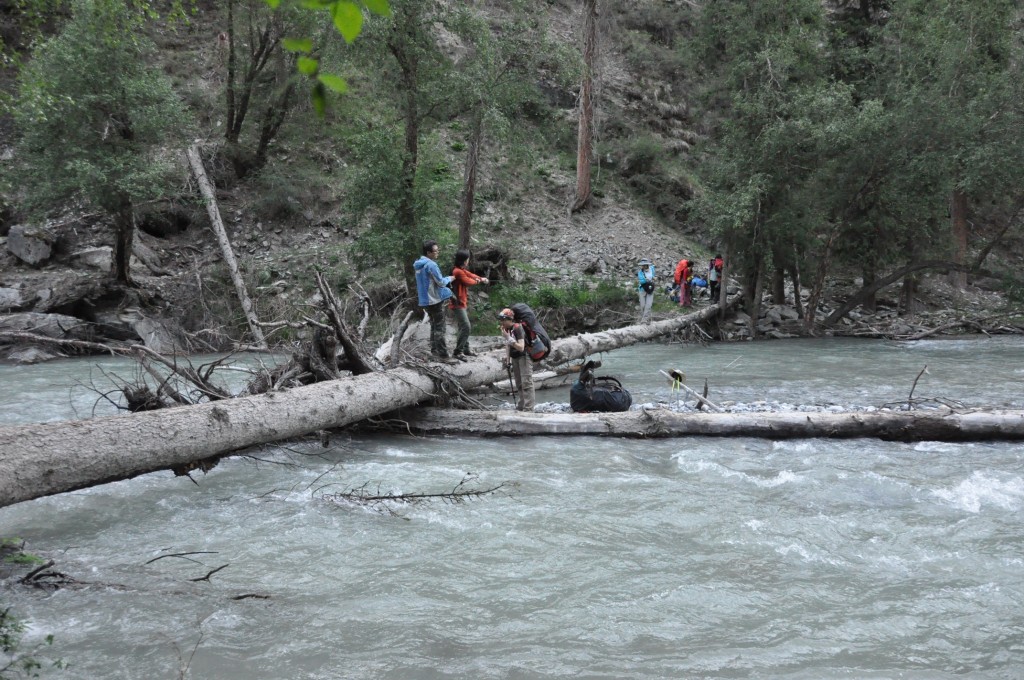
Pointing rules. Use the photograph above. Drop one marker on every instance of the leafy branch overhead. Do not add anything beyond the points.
(347, 18)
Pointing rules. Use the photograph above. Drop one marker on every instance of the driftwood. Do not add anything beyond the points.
(42, 459)
(939, 425)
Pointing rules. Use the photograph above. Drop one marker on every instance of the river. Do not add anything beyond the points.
(682, 558)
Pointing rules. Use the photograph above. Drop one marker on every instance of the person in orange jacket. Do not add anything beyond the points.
(462, 279)
(682, 277)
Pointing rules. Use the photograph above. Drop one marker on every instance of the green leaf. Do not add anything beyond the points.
(336, 83)
(273, 3)
(348, 19)
(319, 99)
(308, 66)
(304, 45)
(380, 7)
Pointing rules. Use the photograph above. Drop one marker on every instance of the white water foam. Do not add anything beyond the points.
(984, 489)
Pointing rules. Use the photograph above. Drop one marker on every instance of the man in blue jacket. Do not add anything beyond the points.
(432, 290)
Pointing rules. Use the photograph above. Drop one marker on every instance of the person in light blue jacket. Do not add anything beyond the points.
(432, 290)
(645, 289)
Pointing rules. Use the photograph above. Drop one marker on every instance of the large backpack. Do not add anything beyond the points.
(538, 344)
(598, 394)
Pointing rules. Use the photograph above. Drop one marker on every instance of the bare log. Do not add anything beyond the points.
(939, 425)
(210, 198)
(43, 459)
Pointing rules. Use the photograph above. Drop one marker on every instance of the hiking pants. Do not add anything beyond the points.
(685, 296)
(438, 345)
(522, 367)
(462, 341)
(646, 300)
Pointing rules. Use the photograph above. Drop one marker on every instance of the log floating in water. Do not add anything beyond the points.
(906, 426)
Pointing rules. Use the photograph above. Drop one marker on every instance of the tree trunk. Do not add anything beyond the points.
(585, 137)
(797, 300)
(210, 198)
(869, 301)
(45, 459)
(469, 179)
(958, 213)
(124, 221)
(779, 285)
(406, 25)
(901, 273)
(754, 288)
(906, 426)
(824, 262)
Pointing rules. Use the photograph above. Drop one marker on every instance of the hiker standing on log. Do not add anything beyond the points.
(516, 356)
(645, 289)
(432, 291)
(462, 279)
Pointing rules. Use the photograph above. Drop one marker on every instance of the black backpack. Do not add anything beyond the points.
(538, 344)
(598, 394)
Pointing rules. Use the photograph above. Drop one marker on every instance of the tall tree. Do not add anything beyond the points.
(767, 67)
(260, 74)
(96, 120)
(958, 65)
(495, 79)
(400, 200)
(585, 135)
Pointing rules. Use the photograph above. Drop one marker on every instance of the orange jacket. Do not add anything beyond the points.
(682, 272)
(462, 280)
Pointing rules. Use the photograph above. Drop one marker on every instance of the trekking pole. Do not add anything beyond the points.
(512, 385)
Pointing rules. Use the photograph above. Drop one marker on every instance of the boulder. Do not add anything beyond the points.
(97, 258)
(159, 335)
(10, 299)
(30, 355)
(50, 325)
(32, 245)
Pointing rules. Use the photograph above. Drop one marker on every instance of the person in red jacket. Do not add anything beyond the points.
(462, 279)
(682, 277)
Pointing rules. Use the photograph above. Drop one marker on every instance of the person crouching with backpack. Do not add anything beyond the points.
(462, 278)
(645, 289)
(516, 357)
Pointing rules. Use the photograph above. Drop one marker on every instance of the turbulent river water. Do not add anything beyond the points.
(677, 558)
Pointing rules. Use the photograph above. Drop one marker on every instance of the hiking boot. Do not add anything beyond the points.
(470, 353)
(460, 357)
(442, 358)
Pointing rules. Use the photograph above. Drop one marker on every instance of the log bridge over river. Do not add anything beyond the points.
(44, 459)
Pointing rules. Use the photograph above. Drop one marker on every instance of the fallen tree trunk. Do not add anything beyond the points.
(906, 426)
(208, 192)
(45, 459)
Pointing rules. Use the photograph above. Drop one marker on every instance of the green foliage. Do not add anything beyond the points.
(94, 118)
(375, 199)
(346, 16)
(861, 126)
(550, 296)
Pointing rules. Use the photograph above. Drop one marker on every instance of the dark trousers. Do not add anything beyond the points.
(438, 345)
(462, 340)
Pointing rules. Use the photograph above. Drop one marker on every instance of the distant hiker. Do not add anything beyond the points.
(432, 290)
(715, 276)
(645, 289)
(682, 277)
(462, 280)
(516, 357)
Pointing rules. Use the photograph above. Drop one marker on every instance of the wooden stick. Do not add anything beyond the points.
(700, 399)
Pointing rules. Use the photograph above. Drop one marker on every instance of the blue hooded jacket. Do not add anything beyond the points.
(430, 285)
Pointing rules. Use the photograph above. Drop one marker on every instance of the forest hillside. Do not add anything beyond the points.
(850, 159)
